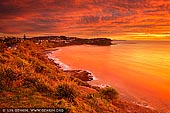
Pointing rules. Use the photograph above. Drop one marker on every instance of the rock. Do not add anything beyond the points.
(81, 74)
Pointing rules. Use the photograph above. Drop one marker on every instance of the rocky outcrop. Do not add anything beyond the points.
(81, 74)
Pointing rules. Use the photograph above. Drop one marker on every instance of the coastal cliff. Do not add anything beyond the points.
(28, 79)
(66, 41)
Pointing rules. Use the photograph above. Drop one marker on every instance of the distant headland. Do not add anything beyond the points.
(56, 41)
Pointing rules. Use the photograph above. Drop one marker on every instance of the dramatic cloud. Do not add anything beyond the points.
(119, 19)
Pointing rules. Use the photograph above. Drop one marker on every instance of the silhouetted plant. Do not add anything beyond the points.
(24, 37)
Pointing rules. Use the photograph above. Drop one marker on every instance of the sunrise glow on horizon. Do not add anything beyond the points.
(115, 19)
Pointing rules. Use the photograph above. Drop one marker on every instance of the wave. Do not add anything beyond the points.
(58, 62)
(62, 65)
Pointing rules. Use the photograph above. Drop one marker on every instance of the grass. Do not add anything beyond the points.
(29, 79)
(67, 91)
(7, 76)
(108, 93)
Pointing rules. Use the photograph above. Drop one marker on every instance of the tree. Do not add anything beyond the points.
(24, 37)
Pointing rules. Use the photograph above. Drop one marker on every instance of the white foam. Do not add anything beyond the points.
(94, 78)
(103, 85)
(57, 61)
(63, 65)
(143, 104)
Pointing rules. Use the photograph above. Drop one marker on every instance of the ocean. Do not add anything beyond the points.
(138, 70)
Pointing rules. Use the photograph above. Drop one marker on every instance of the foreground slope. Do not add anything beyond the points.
(28, 79)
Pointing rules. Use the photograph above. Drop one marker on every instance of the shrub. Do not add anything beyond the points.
(7, 76)
(43, 87)
(3, 61)
(39, 68)
(97, 88)
(19, 63)
(10, 77)
(66, 91)
(38, 65)
(40, 85)
(109, 93)
(1, 86)
(5, 55)
(3, 46)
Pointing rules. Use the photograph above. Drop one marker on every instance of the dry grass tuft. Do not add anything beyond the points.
(108, 93)
(66, 91)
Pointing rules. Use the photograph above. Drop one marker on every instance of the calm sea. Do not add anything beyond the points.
(139, 70)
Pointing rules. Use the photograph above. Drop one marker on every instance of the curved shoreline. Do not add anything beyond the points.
(74, 72)
(82, 74)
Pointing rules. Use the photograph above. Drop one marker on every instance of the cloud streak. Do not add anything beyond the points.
(88, 18)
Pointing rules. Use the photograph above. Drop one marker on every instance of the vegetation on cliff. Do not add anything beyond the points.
(28, 79)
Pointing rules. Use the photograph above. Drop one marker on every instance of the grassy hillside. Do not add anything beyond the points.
(28, 79)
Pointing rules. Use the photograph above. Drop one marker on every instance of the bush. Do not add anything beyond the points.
(7, 76)
(97, 88)
(39, 66)
(40, 85)
(66, 91)
(39, 69)
(43, 87)
(109, 93)
(1, 86)
(19, 63)
(2, 60)
(3, 46)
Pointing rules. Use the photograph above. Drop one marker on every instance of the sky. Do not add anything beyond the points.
(116, 19)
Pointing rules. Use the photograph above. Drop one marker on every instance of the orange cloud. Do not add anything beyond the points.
(118, 19)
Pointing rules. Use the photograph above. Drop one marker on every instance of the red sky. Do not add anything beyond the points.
(117, 19)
